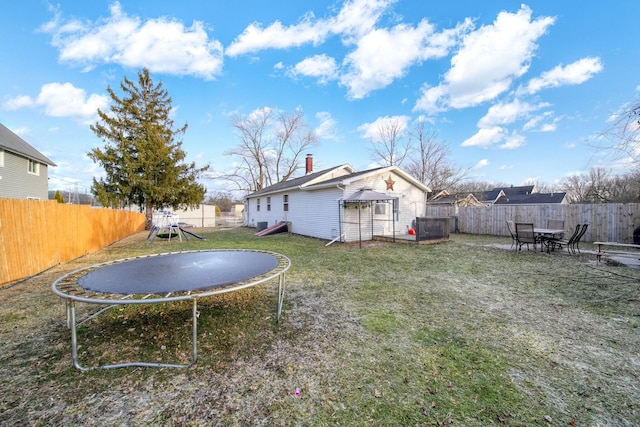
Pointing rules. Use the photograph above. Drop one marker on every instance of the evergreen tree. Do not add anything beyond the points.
(58, 197)
(143, 161)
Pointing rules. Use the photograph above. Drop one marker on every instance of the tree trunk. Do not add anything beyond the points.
(148, 223)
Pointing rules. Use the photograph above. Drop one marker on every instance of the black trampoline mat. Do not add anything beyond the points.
(179, 272)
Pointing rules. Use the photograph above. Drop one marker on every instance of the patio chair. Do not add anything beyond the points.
(567, 242)
(512, 229)
(525, 235)
(578, 237)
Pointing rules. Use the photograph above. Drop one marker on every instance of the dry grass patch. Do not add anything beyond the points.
(462, 333)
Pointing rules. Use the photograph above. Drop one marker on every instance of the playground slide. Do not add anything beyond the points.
(192, 233)
(278, 228)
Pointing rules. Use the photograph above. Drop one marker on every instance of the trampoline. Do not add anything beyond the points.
(167, 277)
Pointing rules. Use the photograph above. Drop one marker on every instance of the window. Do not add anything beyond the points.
(285, 203)
(34, 167)
(258, 205)
(380, 208)
(268, 204)
(1, 158)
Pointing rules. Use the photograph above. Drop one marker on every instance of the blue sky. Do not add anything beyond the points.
(516, 89)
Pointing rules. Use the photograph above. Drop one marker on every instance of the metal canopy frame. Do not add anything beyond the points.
(68, 288)
(366, 198)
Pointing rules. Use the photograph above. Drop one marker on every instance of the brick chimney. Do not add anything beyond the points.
(309, 164)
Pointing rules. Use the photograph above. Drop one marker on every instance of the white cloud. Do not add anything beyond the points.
(497, 135)
(326, 128)
(379, 57)
(161, 45)
(18, 102)
(322, 67)
(512, 141)
(64, 100)
(481, 164)
(485, 137)
(355, 18)
(372, 130)
(548, 127)
(537, 124)
(277, 36)
(505, 113)
(573, 74)
(384, 55)
(489, 60)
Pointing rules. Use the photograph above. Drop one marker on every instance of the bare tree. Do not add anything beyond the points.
(270, 148)
(470, 186)
(293, 138)
(599, 179)
(390, 143)
(222, 199)
(543, 187)
(250, 172)
(600, 186)
(624, 188)
(577, 188)
(431, 164)
(623, 136)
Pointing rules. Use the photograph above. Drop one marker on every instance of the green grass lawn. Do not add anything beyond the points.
(466, 332)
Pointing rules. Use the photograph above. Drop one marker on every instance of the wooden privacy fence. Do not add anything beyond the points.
(610, 222)
(36, 235)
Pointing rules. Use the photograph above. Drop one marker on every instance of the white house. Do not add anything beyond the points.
(341, 203)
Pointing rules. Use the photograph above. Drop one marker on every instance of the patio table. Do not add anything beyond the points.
(546, 234)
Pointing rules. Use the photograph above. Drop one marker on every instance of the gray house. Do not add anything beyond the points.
(24, 171)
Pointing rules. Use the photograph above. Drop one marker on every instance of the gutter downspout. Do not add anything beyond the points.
(341, 234)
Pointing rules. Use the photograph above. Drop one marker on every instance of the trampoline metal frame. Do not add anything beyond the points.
(68, 288)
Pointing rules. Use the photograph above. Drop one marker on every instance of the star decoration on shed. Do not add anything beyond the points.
(389, 183)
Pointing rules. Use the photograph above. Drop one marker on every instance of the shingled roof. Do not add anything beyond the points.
(530, 199)
(293, 183)
(12, 143)
(337, 175)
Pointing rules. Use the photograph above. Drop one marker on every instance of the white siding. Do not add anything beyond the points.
(311, 213)
(411, 201)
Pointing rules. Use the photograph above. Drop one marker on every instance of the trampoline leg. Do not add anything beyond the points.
(194, 337)
(67, 305)
(74, 335)
(280, 294)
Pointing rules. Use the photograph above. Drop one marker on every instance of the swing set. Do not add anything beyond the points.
(166, 225)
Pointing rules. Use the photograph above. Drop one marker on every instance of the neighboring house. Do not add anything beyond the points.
(443, 198)
(325, 204)
(522, 195)
(533, 199)
(24, 172)
(492, 196)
